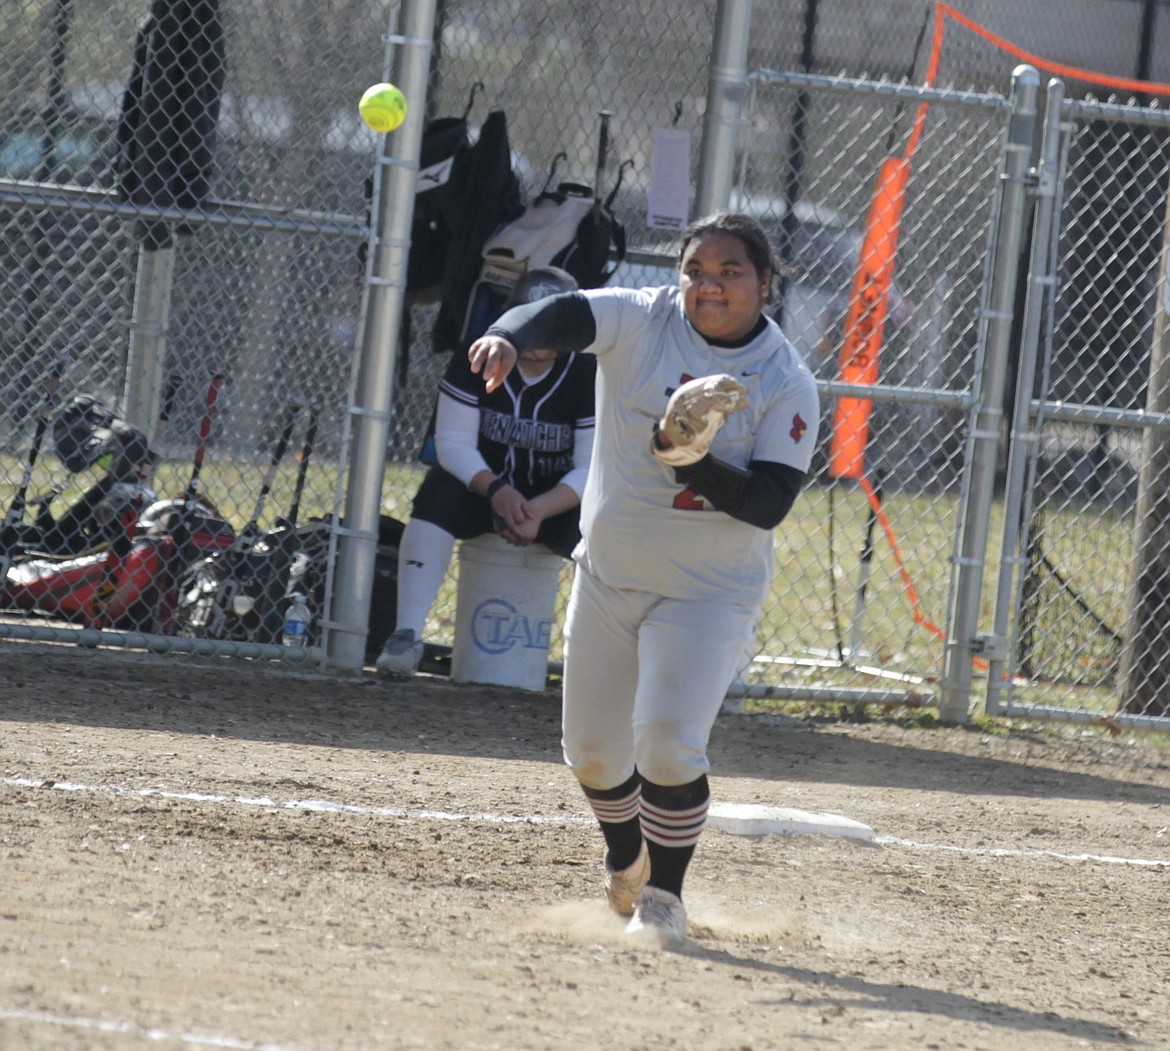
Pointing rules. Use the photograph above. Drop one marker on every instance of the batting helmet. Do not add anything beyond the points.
(540, 282)
(87, 432)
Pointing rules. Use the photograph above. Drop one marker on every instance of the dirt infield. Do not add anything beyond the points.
(199, 855)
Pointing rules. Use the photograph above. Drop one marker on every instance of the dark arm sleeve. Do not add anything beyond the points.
(761, 496)
(562, 323)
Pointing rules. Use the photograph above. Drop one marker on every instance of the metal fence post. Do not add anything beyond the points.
(373, 388)
(963, 643)
(1041, 282)
(727, 79)
(142, 398)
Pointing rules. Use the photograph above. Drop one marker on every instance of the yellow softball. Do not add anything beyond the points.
(383, 107)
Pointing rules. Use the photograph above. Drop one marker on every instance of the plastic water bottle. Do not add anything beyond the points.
(296, 622)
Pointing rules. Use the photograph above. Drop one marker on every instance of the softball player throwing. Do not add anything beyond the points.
(706, 421)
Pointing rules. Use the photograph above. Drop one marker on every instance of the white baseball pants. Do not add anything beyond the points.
(645, 677)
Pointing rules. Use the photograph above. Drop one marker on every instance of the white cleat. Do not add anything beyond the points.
(400, 655)
(624, 888)
(659, 921)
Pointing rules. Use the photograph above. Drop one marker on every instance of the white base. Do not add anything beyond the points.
(751, 819)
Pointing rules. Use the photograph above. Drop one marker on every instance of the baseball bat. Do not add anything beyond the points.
(247, 535)
(284, 546)
(181, 528)
(602, 152)
(181, 531)
(192, 494)
(302, 469)
(15, 515)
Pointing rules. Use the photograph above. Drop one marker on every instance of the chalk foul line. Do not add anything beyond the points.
(131, 1029)
(742, 819)
(1006, 852)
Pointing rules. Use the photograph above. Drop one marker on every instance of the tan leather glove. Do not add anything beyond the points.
(694, 415)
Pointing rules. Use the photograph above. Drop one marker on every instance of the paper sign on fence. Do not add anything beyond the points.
(668, 206)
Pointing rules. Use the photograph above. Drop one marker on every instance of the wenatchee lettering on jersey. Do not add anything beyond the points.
(537, 435)
(550, 444)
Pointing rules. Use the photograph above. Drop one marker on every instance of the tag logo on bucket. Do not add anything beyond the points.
(497, 627)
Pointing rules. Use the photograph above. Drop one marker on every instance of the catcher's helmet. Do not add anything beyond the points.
(540, 282)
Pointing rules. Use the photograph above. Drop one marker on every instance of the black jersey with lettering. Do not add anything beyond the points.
(526, 427)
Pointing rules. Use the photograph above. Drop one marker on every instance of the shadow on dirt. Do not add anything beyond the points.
(432, 715)
(850, 992)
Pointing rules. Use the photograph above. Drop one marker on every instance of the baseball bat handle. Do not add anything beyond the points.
(303, 468)
(602, 152)
(213, 392)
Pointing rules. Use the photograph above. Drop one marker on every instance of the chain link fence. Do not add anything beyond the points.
(826, 631)
(249, 269)
(863, 580)
(181, 209)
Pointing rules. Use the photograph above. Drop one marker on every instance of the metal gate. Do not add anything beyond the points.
(1082, 596)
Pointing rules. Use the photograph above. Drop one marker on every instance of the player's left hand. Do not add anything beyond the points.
(694, 415)
(495, 357)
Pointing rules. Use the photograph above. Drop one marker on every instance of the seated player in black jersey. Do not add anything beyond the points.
(512, 461)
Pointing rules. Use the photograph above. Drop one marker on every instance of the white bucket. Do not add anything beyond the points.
(506, 604)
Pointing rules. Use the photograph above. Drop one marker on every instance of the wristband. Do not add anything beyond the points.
(495, 487)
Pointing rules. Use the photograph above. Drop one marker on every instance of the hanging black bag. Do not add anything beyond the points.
(484, 194)
(445, 142)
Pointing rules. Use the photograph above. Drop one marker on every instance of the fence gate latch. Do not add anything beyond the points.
(989, 647)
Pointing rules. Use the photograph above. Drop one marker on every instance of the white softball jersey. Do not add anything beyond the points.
(642, 529)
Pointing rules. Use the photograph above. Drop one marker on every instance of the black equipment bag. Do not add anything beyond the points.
(310, 564)
(483, 194)
(166, 133)
(233, 594)
(444, 143)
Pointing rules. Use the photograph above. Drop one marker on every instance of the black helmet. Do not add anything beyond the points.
(86, 432)
(540, 282)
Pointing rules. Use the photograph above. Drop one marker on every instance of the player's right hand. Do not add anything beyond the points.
(523, 533)
(510, 509)
(495, 357)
